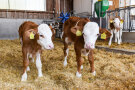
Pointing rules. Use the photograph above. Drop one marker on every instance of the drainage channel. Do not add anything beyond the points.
(117, 50)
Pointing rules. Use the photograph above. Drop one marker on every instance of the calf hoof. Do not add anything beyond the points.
(94, 73)
(40, 75)
(81, 66)
(65, 64)
(78, 74)
(109, 44)
(28, 68)
(119, 43)
(24, 77)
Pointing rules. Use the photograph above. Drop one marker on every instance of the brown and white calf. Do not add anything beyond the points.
(34, 38)
(116, 26)
(84, 42)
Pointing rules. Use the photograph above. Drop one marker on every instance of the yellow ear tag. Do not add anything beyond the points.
(31, 35)
(111, 21)
(121, 21)
(78, 33)
(103, 36)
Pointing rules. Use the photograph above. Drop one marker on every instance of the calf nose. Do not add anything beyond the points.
(51, 46)
(89, 46)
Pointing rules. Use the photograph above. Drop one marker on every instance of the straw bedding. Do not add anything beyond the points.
(114, 71)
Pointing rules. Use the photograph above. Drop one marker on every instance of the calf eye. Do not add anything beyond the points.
(83, 34)
(42, 36)
(98, 34)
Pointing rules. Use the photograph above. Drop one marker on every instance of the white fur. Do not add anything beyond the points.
(21, 41)
(83, 51)
(81, 67)
(118, 34)
(110, 41)
(61, 35)
(90, 34)
(45, 42)
(78, 74)
(65, 59)
(94, 73)
(116, 22)
(39, 64)
(24, 76)
(66, 40)
(28, 68)
(30, 55)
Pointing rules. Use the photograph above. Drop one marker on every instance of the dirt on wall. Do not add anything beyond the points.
(114, 71)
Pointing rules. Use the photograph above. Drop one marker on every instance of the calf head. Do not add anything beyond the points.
(45, 36)
(90, 33)
(117, 22)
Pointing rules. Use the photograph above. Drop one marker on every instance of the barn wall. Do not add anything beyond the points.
(115, 4)
(128, 37)
(9, 27)
(10, 20)
(22, 14)
(50, 5)
(53, 8)
(80, 6)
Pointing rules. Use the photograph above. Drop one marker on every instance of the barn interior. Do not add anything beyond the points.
(115, 70)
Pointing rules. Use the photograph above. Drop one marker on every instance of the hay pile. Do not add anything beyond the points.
(114, 71)
(127, 46)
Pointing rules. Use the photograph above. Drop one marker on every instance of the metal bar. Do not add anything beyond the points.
(127, 16)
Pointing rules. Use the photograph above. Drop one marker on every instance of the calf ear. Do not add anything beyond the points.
(74, 29)
(32, 33)
(32, 30)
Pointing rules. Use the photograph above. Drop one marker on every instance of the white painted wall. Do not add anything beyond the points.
(4, 4)
(82, 6)
(39, 5)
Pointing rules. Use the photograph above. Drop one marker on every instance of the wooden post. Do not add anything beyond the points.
(57, 8)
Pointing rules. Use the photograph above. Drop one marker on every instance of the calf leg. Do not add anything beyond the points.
(110, 41)
(91, 61)
(25, 65)
(120, 35)
(117, 37)
(79, 62)
(30, 56)
(39, 64)
(28, 68)
(66, 50)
